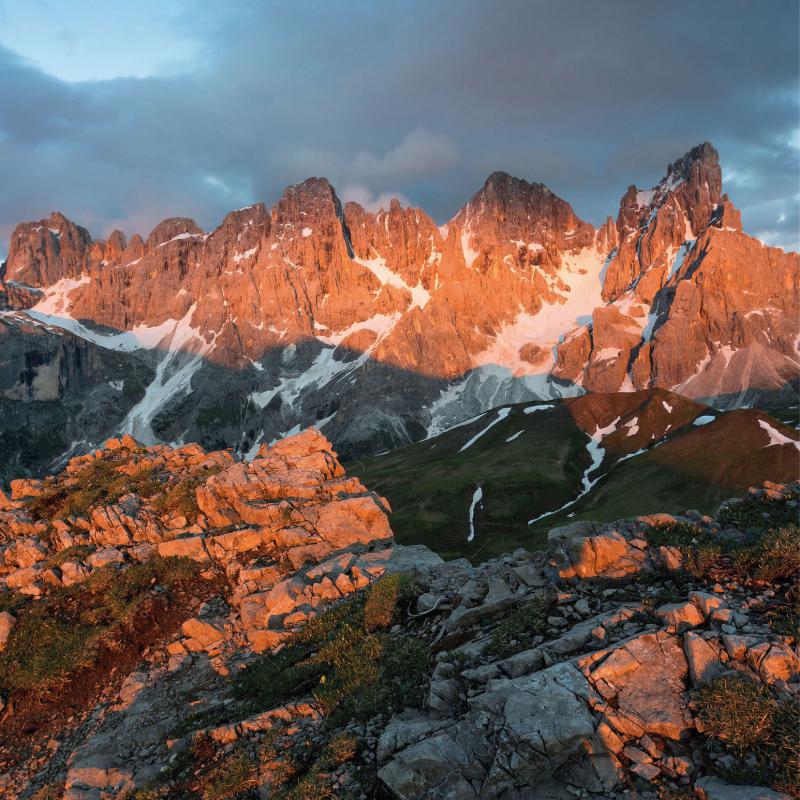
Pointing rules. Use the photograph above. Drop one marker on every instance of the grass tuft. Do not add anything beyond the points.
(64, 632)
(757, 514)
(100, 481)
(774, 557)
(755, 727)
(234, 777)
(182, 497)
(352, 669)
(515, 633)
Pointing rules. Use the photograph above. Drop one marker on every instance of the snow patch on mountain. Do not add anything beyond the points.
(377, 266)
(381, 325)
(186, 348)
(597, 453)
(323, 369)
(776, 437)
(680, 256)
(580, 271)
(501, 415)
(469, 254)
(476, 498)
(534, 409)
(54, 310)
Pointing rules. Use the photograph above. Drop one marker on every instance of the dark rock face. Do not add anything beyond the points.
(314, 312)
(59, 394)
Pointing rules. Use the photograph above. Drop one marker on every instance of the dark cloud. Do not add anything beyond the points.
(418, 99)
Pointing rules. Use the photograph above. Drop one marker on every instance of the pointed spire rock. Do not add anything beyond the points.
(654, 223)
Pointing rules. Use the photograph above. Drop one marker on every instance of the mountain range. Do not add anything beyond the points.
(383, 328)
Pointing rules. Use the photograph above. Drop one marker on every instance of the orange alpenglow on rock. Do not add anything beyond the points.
(278, 312)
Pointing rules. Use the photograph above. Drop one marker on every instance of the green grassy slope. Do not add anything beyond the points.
(529, 464)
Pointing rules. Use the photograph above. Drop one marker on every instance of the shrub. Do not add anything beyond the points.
(737, 712)
(757, 514)
(182, 497)
(339, 750)
(774, 557)
(515, 633)
(75, 552)
(751, 723)
(274, 679)
(673, 791)
(50, 791)
(12, 601)
(383, 598)
(150, 791)
(311, 776)
(701, 551)
(699, 561)
(98, 482)
(784, 619)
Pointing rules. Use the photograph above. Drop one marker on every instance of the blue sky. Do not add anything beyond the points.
(119, 114)
(88, 40)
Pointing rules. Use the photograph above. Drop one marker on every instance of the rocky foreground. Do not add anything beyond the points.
(176, 623)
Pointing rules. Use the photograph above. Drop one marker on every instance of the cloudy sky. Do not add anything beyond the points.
(120, 114)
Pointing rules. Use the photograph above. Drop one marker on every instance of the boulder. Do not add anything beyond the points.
(539, 721)
(680, 617)
(22, 578)
(707, 603)
(203, 633)
(110, 556)
(73, 572)
(643, 681)
(404, 729)
(189, 547)
(704, 660)
(515, 735)
(577, 552)
(445, 763)
(717, 789)
(774, 661)
(26, 552)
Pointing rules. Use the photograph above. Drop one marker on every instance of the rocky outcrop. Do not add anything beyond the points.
(290, 508)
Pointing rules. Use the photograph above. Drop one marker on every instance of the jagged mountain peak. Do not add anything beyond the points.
(255, 211)
(501, 180)
(171, 228)
(693, 182)
(507, 209)
(502, 189)
(310, 188)
(704, 154)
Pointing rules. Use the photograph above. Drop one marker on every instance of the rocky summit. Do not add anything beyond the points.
(181, 623)
(381, 328)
